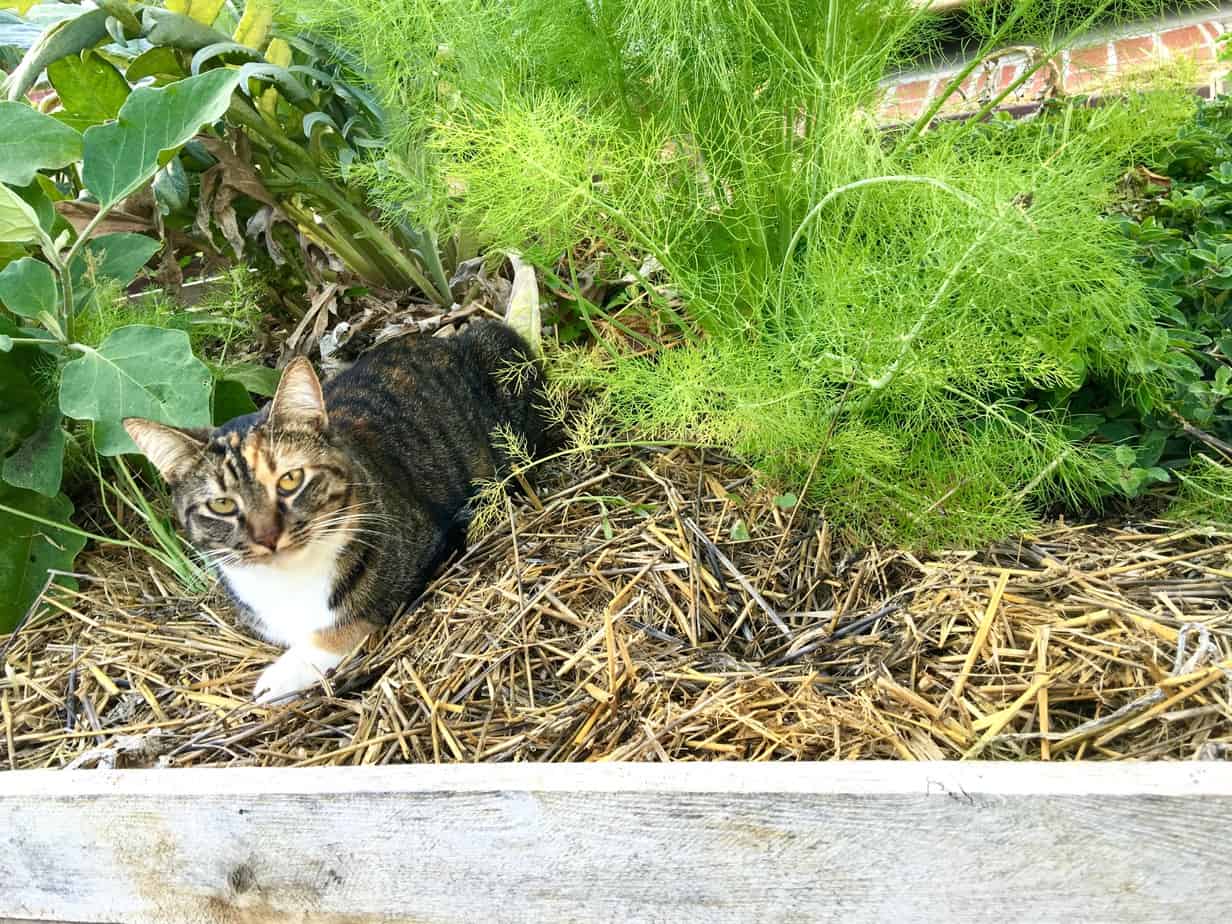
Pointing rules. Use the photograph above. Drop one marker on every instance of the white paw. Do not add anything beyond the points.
(298, 669)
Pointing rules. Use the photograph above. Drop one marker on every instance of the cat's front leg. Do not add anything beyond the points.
(305, 663)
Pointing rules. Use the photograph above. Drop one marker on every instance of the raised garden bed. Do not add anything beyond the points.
(662, 604)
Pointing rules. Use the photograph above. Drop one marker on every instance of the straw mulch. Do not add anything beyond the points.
(626, 616)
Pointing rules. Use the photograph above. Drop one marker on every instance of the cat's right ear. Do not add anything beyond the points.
(169, 450)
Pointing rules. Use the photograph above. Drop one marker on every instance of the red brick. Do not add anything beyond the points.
(1134, 52)
(1183, 39)
(1203, 52)
(905, 111)
(912, 90)
(1091, 58)
(1088, 67)
(1038, 85)
(974, 84)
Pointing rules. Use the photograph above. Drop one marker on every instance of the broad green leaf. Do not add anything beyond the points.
(64, 38)
(31, 141)
(19, 400)
(90, 88)
(260, 380)
(11, 252)
(38, 463)
(224, 53)
(18, 222)
(171, 188)
(122, 155)
(292, 90)
(231, 400)
(138, 371)
(163, 64)
(40, 201)
(119, 256)
(30, 548)
(125, 24)
(16, 34)
(163, 28)
(27, 287)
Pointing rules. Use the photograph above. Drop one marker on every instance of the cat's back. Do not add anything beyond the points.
(428, 406)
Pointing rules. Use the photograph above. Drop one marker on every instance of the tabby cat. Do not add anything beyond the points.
(329, 508)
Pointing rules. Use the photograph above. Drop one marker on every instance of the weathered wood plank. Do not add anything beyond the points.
(836, 841)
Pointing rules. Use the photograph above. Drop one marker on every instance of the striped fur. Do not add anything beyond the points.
(328, 509)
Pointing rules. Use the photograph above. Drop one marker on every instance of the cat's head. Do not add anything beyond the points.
(263, 486)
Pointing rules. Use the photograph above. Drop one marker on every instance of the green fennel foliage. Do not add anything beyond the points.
(1205, 495)
(874, 313)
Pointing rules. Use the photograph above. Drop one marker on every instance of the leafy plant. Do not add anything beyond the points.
(868, 319)
(136, 370)
(297, 126)
(1179, 218)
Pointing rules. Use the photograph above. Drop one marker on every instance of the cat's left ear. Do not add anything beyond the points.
(298, 400)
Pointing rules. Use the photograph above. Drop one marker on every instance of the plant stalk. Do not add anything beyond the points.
(399, 271)
(848, 187)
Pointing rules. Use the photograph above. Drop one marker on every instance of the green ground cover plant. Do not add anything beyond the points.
(1183, 240)
(878, 323)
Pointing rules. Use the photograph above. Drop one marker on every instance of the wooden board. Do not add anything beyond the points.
(868, 841)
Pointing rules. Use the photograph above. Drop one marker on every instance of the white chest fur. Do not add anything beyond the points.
(289, 597)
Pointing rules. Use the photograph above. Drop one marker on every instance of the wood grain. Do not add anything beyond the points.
(721, 842)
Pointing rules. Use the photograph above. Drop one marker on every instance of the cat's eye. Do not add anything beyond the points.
(290, 481)
(223, 506)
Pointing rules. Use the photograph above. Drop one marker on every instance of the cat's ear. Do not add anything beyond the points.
(169, 450)
(298, 400)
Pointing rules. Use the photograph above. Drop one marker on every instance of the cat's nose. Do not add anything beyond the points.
(265, 532)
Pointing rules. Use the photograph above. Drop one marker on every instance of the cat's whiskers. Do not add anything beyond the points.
(219, 558)
(350, 514)
(351, 540)
(347, 522)
(363, 537)
(358, 510)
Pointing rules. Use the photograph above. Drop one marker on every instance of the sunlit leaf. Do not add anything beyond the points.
(122, 155)
(138, 371)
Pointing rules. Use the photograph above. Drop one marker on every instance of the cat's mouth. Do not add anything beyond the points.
(292, 546)
(286, 548)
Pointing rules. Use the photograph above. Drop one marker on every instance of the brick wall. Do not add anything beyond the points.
(1084, 69)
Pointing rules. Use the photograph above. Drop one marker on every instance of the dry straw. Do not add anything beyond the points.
(618, 619)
